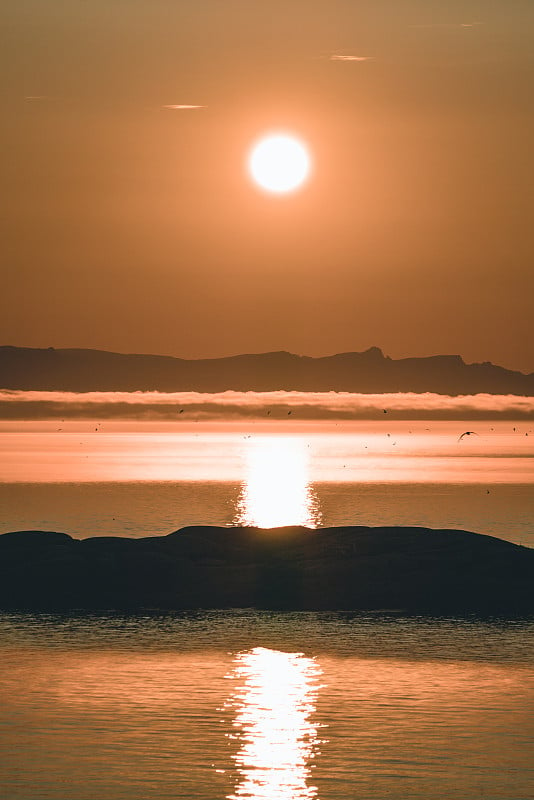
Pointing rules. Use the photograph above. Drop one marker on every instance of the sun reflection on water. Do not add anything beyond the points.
(277, 490)
(274, 703)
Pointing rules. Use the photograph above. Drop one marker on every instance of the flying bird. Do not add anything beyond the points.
(467, 433)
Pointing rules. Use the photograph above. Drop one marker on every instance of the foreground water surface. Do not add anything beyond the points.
(251, 704)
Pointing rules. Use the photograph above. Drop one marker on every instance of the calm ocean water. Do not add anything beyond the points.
(257, 705)
(135, 479)
(267, 706)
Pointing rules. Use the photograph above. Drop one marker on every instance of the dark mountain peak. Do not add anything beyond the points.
(374, 352)
(271, 355)
(367, 372)
(442, 361)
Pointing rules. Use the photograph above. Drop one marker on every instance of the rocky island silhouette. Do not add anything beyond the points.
(412, 570)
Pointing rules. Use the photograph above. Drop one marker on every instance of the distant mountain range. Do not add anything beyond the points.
(368, 372)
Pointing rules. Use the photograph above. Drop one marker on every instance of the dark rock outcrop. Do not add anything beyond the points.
(416, 570)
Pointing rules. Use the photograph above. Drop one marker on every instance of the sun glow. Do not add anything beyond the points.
(279, 163)
(277, 489)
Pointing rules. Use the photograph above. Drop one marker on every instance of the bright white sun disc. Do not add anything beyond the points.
(279, 163)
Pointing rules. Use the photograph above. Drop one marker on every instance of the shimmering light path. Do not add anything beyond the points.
(277, 490)
(160, 707)
(274, 704)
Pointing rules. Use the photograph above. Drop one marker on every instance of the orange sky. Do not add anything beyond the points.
(135, 228)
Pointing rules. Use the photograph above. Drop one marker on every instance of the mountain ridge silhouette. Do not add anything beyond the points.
(367, 372)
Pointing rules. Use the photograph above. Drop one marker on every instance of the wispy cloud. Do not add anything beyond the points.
(40, 98)
(180, 107)
(448, 25)
(342, 57)
(260, 405)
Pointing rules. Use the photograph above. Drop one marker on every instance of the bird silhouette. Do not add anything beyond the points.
(467, 433)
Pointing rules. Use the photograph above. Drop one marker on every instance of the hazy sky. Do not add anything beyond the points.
(133, 227)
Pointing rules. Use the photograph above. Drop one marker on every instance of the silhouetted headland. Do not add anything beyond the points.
(369, 372)
(416, 570)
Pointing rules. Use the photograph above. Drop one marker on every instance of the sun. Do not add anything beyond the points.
(279, 163)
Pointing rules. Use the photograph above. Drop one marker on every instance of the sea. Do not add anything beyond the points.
(257, 705)
(145, 478)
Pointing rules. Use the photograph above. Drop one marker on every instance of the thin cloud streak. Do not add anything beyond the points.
(448, 25)
(260, 405)
(180, 107)
(340, 57)
(42, 98)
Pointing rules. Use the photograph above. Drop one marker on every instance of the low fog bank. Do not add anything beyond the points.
(231, 405)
